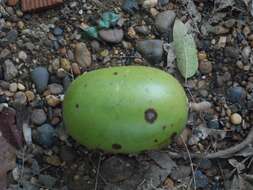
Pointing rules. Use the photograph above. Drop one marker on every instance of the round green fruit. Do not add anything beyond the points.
(126, 109)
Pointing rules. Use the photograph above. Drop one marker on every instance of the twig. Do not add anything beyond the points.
(97, 174)
(189, 155)
(220, 154)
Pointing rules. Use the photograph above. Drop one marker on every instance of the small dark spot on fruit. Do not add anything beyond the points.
(77, 105)
(155, 140)
(85, 85)
(116, 146)
(164, 127)
(150, 115)
(115, 73)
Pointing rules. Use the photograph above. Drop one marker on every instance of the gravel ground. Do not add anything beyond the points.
(42, 53)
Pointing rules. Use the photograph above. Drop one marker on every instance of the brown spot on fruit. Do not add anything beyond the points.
(150, 115)
(115, 73)
(164, 127)
(77, 105)
(116, 146)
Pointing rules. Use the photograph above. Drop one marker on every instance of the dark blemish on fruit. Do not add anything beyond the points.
(116, 146)
(115, 73)
(155, 140)
(85, 85)
(150, 115)
(77, 105)
(164, 127)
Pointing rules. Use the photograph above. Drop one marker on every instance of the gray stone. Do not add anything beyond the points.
(112, 35)
(164, 21)
(38, 116)
(151, 50)
(45, 136)
(55, 88)
(10, 71)
(40, 78)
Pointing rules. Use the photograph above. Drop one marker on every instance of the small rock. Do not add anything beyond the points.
(236, 94)
(232, 52)
(163, 2)
(95, 45)
(149, 3)
(151, 50)
(10, 71)
(112, 35)
(200, 179)
(13, 87)
(75, 69)
(21, 25)
(205, 67)
(205, 164)
(236, 119)
(4, 53)
(38, 116)
(45, 136)
(213, 124)
(164, 21)
(55, 88)
(130, 6)
(55, 64)
(58, 31)
(22, 55)
(47, 181)
(40, 78)
(142, 29)
(246, 51)
(12, 36)
(20, 98)
(61, 73)
(65, 64)
(21, 87)
(202, 56)
(66, 82)
(181, 172)
(53, 160)
(52, 100)
(82, 55)
(30, 95)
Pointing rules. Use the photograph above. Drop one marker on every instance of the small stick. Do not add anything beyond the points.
(220, 154)
(189, 155)
(97, 174)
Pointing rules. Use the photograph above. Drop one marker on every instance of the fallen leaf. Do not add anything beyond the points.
(185, 49)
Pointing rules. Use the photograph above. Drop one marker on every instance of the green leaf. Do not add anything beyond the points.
(185, 49)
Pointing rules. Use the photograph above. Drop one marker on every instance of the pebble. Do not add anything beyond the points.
(236, 94)
(22, 55)
(21, 25)
(55, 88)
(61, 73)
(21, 87)
(40, 77)
(75, 69)
(12, 2)
(30, 95)
(65, 64)
(246, 51)
(236, 119)
(20, 98)
(52, 100)
(201, 179)
(205, 67)
(95, 45)
(13, 87)
(45, 136)
(143, 29)
(47, 181)
(38, 116)
(111, 35)
(66, 82)
(149, 3)
(164, 21)
(202, 56)
(232, 52)
(82, 55)
(151, 50)
(213, 124)
(58, 31)
(10, 71)
(12, 36)
(205, 164)
(130, 6)
(163, 2)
